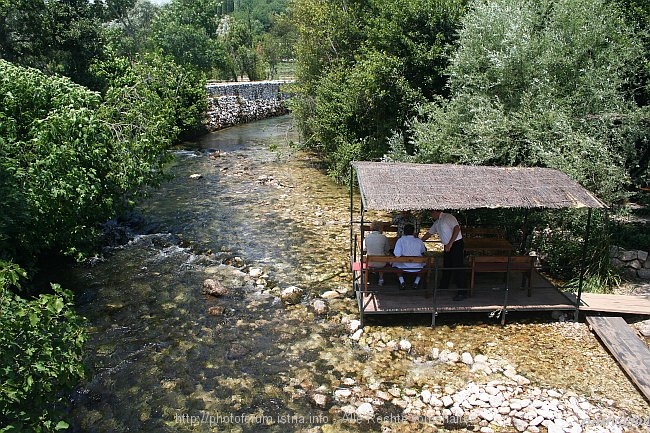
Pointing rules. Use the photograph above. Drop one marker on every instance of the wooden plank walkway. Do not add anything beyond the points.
(621, 304)
(626, 347)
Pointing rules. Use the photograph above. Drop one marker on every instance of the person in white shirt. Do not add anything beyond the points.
(448, 230)
(376, 244)
(410, 246)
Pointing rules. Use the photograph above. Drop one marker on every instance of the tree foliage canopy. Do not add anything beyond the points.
(543, 83)
(363, 67)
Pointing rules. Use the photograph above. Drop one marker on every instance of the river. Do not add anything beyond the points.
(246, 208)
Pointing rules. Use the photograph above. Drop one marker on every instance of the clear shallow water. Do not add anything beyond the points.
(159, 362)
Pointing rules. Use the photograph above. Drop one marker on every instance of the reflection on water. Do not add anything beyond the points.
(159, 362)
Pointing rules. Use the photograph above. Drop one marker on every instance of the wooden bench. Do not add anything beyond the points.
(387, 260)
(504, 264)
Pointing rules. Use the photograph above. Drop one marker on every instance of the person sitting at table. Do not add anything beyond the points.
(447, 227)
(406, 217)
(409, 246)
(376, 244)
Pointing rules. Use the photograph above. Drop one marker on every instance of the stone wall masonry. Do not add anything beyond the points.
(232, 104)
(633, 263)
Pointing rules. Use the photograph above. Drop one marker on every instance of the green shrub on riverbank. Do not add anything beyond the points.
(40, 355)
(70, 159)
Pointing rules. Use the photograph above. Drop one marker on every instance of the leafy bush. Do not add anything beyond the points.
(69, 160)
(40, 355)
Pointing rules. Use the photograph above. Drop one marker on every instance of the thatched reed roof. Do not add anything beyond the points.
(392, 186)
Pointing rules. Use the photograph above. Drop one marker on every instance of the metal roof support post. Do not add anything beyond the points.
(583, 264)
(352, 246)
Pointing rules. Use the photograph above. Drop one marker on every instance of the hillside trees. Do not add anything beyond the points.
(363, 67)
(546, 83)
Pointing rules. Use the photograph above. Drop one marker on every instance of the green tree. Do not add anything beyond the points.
(187, 31)
(363, 67)
(540, 83)
(54, 36)
(70, 160)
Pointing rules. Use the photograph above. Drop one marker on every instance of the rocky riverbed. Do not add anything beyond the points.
(271, 342)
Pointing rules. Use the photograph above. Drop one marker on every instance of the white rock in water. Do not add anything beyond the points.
(291, 295)
(320, 307)
(330, 294)
(365, 411)
(214, 288)
(255, 272)
(196, 176)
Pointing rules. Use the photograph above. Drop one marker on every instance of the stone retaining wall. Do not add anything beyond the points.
(634, 263)
(232, 104)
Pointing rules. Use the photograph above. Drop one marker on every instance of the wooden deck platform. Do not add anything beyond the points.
(626, 347)
(490, 296)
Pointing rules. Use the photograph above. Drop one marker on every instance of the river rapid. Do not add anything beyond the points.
(246, 209)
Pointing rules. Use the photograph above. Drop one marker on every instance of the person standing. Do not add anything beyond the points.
(403, 218)
(376, 244)
(410, 246)
(448, 230)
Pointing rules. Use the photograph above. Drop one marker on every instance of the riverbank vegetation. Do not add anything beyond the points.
(93, 94)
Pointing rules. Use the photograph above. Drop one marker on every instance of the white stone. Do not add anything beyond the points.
(291, 295)
(496, 400)
(537, 421)
(425, 395)
(466, 358)
(365, 411)
(353, 325)
(553, 393)
(330, 294)
(405, 345)
(320, 307)
(447, 401)
(453, 357)
(443, 356)
(342, 393)
(434, 353)
(486, 414)
(384, 395)
(356, 335)
(520, 424)
(521, 380)
(481, 358)
(486, 430)
(435, 401)
(255, 272)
